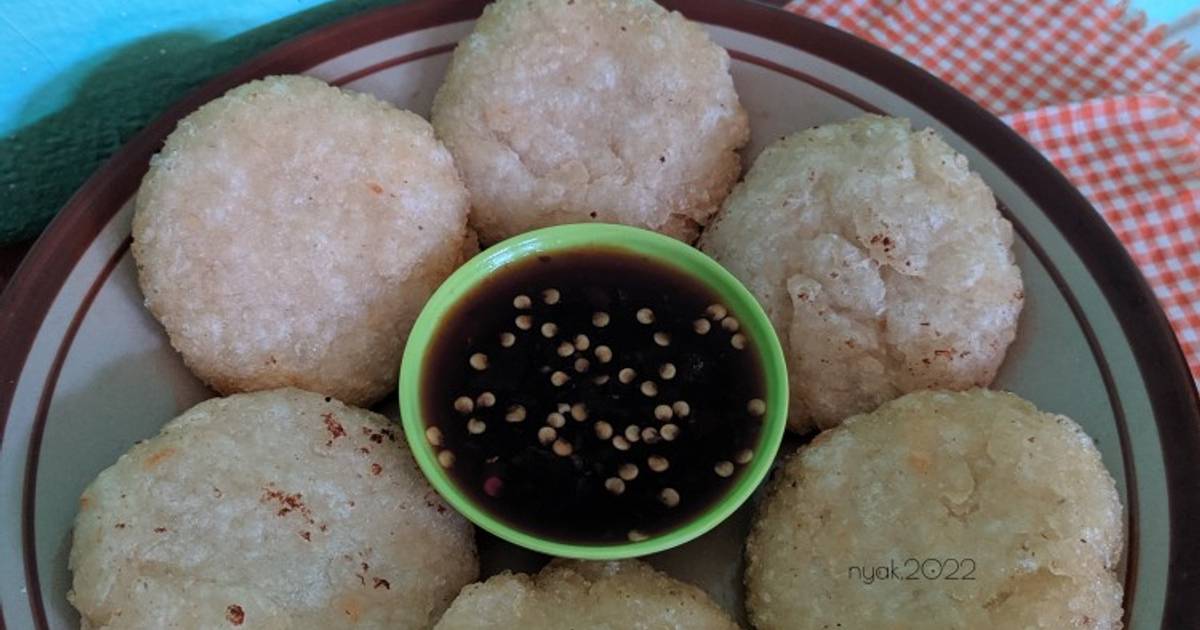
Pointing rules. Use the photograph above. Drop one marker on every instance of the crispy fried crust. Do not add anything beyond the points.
(604, 110)
(1014, 507)
(289, 233)
(278, 509)
(573, 594)
(880, 258)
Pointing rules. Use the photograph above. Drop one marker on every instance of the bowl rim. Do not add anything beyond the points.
(662, 249)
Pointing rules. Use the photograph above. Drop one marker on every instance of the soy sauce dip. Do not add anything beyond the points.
(593, 396)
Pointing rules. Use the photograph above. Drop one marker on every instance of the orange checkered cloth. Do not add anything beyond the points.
(1106, 99)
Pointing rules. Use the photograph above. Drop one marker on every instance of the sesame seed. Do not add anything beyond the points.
(486, 399)
(546, 435)
(446, 459)
(701, 326)
(620, 443)
(559, 378)
(666, 371)
(662, 339)
(600, 319)
(658, 463)
(681, 408)
(522, 302)
(723, 468)
(603, 430)
(579, 412)
(604, 354)
(507, 339)
(563, 408)
(562, 448)
(744, 456)
(582, 365)
(556, 420)
(464, 404)
(669, 497)
(650, 435)
(550, 296)
(582, 342)
(524, 322)
(663, 413)
(633, 433)
(669, 432)
(565, 349)
(516, 413)
(645, 316)
(716, 312)
(731, 324)
(549, 329)
(600, 380)
(756, 407)
(628, 472)
(636, 536)
(614, 485)
(433, 435)
(626, 375)
(478, 361)
(649, 389)
(738, 341)
(475, 426)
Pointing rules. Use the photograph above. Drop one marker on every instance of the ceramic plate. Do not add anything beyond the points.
(85, 371)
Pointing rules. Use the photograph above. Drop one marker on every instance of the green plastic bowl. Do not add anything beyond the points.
(663, 249)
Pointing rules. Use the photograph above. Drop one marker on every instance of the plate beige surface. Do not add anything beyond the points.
(85, 371)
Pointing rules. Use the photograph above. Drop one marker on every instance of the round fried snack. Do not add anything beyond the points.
(880, 258)
(628, 594)
(268, 510)
(289, 233)
(593, 110)
(940, 510)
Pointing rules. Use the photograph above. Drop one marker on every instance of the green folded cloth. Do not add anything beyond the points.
(42, 164)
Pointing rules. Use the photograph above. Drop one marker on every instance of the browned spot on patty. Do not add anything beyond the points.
(334, 427)
(350, 606)
(158, 458)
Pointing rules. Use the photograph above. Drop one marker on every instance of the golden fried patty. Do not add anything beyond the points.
(277, 509)
(880, 258)
(595, 110)
(289, 232)
(629, 595)
(940, 510)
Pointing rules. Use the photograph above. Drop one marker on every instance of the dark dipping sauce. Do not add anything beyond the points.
(529, 402)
